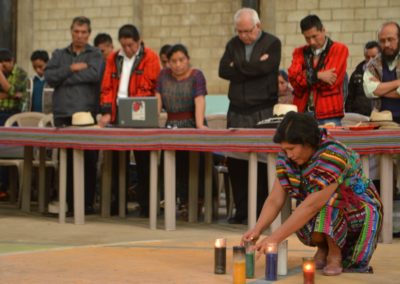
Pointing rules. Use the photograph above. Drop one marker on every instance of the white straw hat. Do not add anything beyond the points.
(384, 119)
(282, 109)
(384, 115)
(82, 119)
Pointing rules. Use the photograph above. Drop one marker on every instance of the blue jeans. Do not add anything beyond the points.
(336, 120)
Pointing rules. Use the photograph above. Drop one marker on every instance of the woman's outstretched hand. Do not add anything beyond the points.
(262, 246)
(250, 236)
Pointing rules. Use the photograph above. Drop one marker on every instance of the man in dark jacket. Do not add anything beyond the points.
(356, 100)
(251, 64)
(74, 73)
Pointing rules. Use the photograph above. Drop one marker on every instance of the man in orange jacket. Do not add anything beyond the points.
(130, 72)
(317, 73)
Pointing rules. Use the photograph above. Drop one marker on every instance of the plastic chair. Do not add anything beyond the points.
(24, 119)
(221, 174)
(51, 161)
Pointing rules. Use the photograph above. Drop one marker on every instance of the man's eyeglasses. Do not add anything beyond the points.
(239, 32)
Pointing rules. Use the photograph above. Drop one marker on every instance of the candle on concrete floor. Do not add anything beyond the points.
(283, 258)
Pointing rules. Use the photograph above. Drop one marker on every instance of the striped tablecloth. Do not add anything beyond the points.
(209, 140)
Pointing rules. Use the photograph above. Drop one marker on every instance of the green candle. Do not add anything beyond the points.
(250, 264)
(250, 254)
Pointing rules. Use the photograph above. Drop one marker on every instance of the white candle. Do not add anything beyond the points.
(283, 258)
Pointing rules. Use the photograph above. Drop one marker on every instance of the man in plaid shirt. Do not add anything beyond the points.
(13, 83)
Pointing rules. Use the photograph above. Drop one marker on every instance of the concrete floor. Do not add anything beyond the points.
(36, 249)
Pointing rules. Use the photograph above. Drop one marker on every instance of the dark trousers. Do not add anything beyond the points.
(115, 179)
(142, 159)
(238, 174)
(90, 159)
(238, 169)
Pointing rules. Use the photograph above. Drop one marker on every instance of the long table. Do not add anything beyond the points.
(384, 143)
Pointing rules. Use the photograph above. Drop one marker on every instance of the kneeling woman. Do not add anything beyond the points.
(338, 208)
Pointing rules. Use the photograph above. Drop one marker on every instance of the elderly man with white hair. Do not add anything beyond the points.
(251, 65)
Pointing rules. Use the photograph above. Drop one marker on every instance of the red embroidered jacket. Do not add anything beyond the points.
(328, 100)
(142, 81)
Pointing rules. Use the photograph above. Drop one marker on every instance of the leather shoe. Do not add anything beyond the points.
(236, 220)
(89, 210)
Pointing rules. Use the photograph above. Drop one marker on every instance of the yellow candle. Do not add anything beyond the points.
(239, 272)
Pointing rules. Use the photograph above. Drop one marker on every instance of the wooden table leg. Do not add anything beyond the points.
(170, 190)
(62, 179)
(27, 180)
(79, 186)
(106, 175)
(387, 197)
(153, 189)
(208, 161)
(252, 193)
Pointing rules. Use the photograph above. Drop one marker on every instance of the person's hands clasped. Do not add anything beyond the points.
(78, 66)
(104, 120)
(264, 57)
(328, 76)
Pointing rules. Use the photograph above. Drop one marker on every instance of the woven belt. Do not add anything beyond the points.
(180, 115)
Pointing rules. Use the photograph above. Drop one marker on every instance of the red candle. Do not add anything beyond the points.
(308, 270)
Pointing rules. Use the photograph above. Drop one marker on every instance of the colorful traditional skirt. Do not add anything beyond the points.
(354, 230)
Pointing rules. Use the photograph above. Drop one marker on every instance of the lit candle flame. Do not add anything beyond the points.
(271, 248)
(308, 267)
(220, 243)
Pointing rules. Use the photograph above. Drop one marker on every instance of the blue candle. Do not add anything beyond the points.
(271, 268)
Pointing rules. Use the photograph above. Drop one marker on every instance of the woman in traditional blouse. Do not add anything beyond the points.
(339, 209)
(181, 92)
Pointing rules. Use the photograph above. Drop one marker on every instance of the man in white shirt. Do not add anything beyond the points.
(382, 75)
(131, 71)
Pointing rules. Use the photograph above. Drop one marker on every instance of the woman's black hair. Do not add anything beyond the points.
(176, 48)
(298, 128)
